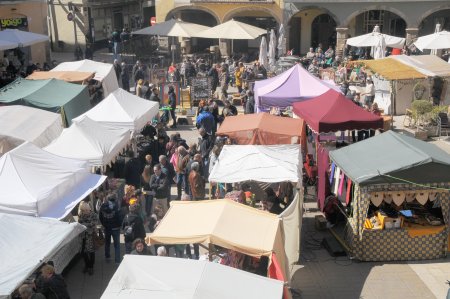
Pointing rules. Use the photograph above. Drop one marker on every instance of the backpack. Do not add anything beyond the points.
(128, 232)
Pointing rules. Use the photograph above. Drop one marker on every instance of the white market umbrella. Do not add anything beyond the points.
(173, 27)
(6, 45)
(373, 40)
(21, 38)
(281, 41)
(263, 59)
(232, 30)
(272, 48)
(434, 41)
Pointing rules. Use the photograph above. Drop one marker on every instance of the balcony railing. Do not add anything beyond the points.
(232, 1)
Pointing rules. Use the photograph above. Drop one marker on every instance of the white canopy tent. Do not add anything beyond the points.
(104, 72)
(21, 123)
(97, 143)
(270, 164)
(262, 163)
(26, 243)
(37, 183)
(123, 110)
(156, 277)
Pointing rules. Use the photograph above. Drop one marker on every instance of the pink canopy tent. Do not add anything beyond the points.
(294, 85)
(332, 112)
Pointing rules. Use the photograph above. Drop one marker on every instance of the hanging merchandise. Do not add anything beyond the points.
(333, 166)
(422, 197)
(398, 197)
(348, 197)
(376, 198)
(432, 196)
(337, 174)
(388, 198)
(410, 196)
(341, 183)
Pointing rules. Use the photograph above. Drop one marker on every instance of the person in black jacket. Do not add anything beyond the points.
(173, 105)
(110, 219)
(159, 183)
(133, 169)
(133, 227)
(51, 285)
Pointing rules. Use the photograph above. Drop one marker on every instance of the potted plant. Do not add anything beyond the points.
(421, 110)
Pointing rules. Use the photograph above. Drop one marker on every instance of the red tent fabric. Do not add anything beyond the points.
(332, 112)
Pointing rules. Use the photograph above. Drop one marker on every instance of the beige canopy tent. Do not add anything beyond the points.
(68, 76)
(224, 223)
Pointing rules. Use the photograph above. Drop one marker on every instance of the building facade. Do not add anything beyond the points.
(308, 23)
(266, 14)
(79, 22)
(331, 22)
(30, 16)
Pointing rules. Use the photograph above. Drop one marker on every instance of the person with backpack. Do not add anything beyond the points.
(132, 226)
(110, 219)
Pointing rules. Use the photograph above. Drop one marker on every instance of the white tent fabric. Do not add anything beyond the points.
(373, 40)
(429, 65)
(97, 143)
(292, 226)
(272, 48)
(21, 38)
(281, 41)
(263, 59)
(37, 183)
(232, 30)
(262, 163)
(21, 123)
(141, 277)
(104, 72)
(173, 27)
(6, 45)
(26, 243)
(123, 110)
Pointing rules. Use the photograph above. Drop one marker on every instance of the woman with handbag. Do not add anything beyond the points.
(89, 219)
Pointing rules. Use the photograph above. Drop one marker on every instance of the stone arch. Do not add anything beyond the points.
(228, 16)
(353, 15)
(191, 7)
(430, 12)
(325, 11)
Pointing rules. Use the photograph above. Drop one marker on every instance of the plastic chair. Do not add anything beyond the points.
(443, 125)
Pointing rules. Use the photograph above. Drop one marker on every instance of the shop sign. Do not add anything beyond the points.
(13, 23)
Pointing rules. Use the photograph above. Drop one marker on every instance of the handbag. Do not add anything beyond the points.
(99, 239)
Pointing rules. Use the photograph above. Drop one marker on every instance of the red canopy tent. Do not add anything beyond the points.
(332, 112)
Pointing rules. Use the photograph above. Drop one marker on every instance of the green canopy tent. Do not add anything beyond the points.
(390, 158)
(70, 100)
(391, 168)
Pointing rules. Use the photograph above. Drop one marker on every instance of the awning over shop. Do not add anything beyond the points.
(68, 76)
(159, 277)
(262, 128)
(20, 123)
(393, 158)
(70, 100)
(333, 112)
(392, 69)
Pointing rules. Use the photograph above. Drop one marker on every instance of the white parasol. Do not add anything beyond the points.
(263, 59)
